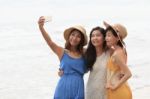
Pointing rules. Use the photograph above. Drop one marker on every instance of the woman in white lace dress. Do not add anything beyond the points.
(96, 58)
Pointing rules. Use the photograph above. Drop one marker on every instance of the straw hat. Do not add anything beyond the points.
(79, 28)
(119, 29)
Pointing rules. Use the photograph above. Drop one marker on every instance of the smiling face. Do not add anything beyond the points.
(75, 38)
(97, 38)
(111, 40)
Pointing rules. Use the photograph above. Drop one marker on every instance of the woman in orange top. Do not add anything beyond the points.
(117, 70)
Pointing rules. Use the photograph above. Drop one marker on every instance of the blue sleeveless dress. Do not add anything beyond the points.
(71, 84)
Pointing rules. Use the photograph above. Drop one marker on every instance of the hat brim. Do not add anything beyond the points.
(69, 30)
(116, 33)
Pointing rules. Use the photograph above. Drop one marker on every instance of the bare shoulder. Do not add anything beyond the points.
(119, 56)
(66, 50)
(119, 53)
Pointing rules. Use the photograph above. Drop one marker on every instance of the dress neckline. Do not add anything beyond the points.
(73, 57)
(101, 55)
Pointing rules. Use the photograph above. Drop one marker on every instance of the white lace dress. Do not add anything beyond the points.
(95, 88)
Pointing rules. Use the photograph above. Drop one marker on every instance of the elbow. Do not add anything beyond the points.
(129, 75)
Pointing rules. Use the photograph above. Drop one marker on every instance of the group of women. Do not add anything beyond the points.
(105, 58)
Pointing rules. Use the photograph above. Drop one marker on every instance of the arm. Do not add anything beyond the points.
(120, 60)
(55, 48)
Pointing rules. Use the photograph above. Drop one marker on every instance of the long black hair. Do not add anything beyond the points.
(90, 54)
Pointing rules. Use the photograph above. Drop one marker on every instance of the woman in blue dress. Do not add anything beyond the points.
(71, 84)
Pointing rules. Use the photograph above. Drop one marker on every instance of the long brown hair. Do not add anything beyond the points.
(79, 47)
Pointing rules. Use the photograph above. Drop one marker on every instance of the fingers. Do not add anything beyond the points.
(107, 86)
(41, 21)
(60, 72)
(110, 86)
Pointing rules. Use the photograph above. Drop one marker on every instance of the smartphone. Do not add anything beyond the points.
(48, 18)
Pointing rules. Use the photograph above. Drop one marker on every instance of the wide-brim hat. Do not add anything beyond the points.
(77, 27)
(119, 29)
